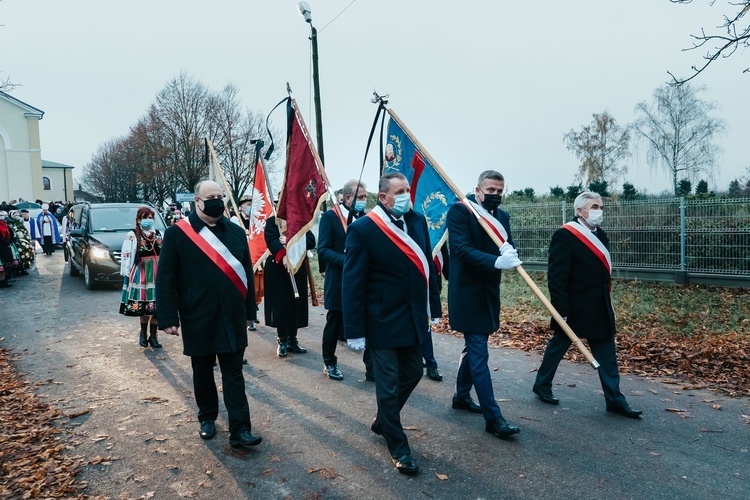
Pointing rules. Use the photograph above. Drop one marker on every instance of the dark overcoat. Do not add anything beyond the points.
(579, 286)
(281, 309)
(385, 298)
(331, 244)
(197, 296)
(474, 283)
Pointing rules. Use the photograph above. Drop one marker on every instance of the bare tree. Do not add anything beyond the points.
(601, 147)
(679, 132)
(733, 33)
(6, 85)
(182, 110)
(149, 139)
(112, 174)
(234, 132)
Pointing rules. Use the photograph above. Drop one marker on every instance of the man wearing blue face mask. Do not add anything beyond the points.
(390, 291)
(476, 264)
(331, 241)
(579, 280)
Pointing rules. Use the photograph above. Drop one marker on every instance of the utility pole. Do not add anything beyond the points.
(304, 10)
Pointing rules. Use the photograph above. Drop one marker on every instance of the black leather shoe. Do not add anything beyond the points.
(245, 439)
(333, 372)
(154, 341)
(375, 427)
(244, 361)
(293, 346)
(281, 350)
(369, 376)
(252, 326)
(625, 410)
(406, 465)
(546, 396)
(143, 340)
(500, 428)
(466, 404)
(208, 429)
(434, 374)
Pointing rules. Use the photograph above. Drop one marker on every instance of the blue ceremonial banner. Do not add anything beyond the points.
(430, 194)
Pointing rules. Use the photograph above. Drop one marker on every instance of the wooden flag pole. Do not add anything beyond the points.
(530, 282)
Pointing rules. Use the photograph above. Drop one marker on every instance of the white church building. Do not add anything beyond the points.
(23, 173)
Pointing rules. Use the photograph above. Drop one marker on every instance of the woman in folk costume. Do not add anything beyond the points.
(138, 265)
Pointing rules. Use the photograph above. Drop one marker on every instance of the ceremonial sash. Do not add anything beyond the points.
(217, 253)
(494, 224)
(592, 243)
(438, 259)
(402, 240)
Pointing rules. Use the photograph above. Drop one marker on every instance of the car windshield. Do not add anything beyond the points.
(104, 219)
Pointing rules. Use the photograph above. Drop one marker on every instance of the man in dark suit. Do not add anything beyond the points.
(331, 243)
(579, 280)
(205, 286)
(474, 294)
(390, 290)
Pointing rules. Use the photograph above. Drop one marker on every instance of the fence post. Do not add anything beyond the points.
(564, 209)
(681, 276)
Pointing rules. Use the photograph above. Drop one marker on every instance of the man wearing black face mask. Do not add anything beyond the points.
(476, 264)
(205, 286)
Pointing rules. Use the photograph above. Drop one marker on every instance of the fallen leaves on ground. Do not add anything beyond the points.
(703, 361)
(32, 459)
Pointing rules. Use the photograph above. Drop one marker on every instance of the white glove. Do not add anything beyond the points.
(357, 344)
(508, 260)
(506, 246)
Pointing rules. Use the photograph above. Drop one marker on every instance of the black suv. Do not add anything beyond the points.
(96, 239)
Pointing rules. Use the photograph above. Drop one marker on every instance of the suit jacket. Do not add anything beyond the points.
(331, 244)
(474, 284)
(193, 293)
(385, 298)
(579, 286)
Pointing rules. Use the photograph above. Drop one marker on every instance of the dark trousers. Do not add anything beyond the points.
(428, 352)
(234, 390)
(473, 371)
(367, 360)
(604, 352)
(397, 373)
(286, 334)
(47, 245)
(331, 332)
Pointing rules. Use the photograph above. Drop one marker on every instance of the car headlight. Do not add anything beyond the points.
(99, 253)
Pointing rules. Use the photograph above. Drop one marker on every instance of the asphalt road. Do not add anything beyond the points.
(142, 422)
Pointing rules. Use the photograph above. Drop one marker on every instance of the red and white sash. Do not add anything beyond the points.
(494, 224)
(592, 243)
(402, 240)
(217, 253)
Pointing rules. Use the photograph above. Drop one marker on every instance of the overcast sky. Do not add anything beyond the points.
(482, 84)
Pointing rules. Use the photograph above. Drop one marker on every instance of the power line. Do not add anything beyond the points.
(337, 15)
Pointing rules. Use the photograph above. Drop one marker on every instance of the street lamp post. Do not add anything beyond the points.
(304, 10)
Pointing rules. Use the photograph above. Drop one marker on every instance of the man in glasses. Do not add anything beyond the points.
(208, 257)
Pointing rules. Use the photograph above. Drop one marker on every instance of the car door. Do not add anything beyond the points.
(77, 243)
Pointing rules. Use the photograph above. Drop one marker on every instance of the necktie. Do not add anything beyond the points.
(399, 224)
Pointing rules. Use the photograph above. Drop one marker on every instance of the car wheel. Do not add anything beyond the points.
(87, 278)
(73, 271)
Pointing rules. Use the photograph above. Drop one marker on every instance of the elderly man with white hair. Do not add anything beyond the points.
(49, 230)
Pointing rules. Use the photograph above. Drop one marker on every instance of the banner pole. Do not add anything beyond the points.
(530, 282)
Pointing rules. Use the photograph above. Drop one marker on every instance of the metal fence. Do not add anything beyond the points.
(702, 236)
